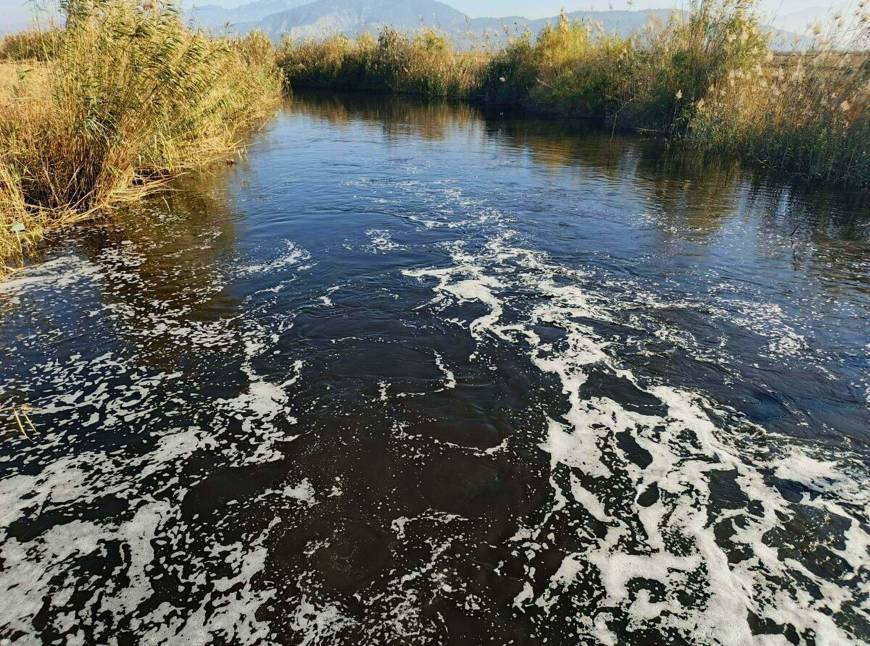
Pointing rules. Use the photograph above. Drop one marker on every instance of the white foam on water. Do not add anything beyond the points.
(40, 572)
(701, 590)
(680, 549)
(121, 396)
(265, 403)
(318, 624)
(381, 241)
(292, 256)
(303, 492)
(449, 377)
(326, 300)
(57, 274)
(589, 501)
(465, 283)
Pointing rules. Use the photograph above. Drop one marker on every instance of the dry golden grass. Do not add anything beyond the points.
(130, 99)
(22, 84)
(807, 112)
(22, 79)
(30, 45)
(8, 79)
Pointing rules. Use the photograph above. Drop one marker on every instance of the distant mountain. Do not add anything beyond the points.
(300, 19)
(354, 17)
(214, 16)
(802, 22)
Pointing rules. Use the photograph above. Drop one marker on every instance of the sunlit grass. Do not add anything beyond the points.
(425, 65)
(808, 112)
(130, 98)
(31, 45)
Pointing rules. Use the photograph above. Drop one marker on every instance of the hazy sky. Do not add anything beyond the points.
(13, 13)
(544, 8)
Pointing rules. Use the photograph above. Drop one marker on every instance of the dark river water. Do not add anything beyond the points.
(409, 374)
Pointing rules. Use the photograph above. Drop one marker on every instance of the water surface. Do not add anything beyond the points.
(412, 374)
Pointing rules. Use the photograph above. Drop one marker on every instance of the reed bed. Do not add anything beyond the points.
(31, 45)
(707, 76)
(807, 113)
(424, 64)
(131, 98)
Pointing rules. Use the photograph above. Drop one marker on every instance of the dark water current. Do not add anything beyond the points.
(410, 375)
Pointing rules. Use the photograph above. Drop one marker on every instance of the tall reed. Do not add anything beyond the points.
(424, 64)
(807, 112)
(134, 97)
(647, 80)
(31, 45)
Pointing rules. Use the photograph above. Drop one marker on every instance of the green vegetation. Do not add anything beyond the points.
(129, 99)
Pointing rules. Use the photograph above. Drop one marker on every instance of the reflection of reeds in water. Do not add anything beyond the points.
(393, 115)
(165, 262)
(687, 189)
(177, 237)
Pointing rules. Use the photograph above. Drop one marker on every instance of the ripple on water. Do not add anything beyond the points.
(494, 437)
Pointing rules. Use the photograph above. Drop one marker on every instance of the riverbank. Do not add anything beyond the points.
(708, 79)
(126, 100)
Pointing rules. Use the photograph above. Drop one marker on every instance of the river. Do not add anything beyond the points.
(412, 374)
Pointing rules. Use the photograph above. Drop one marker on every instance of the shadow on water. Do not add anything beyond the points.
(683, 186)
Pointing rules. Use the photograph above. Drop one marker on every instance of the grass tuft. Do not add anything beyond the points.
(31, 45)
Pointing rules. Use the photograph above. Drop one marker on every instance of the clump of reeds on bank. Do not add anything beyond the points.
(647, 80)
(710, 78)
(424, 64)
(570, 67)
(133, 98)
(807, 112)
(31, 45)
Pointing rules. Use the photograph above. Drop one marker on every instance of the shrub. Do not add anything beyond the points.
(648, 81)
(679, 62)
(336, 62)
(511, 73)
(425, 64)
